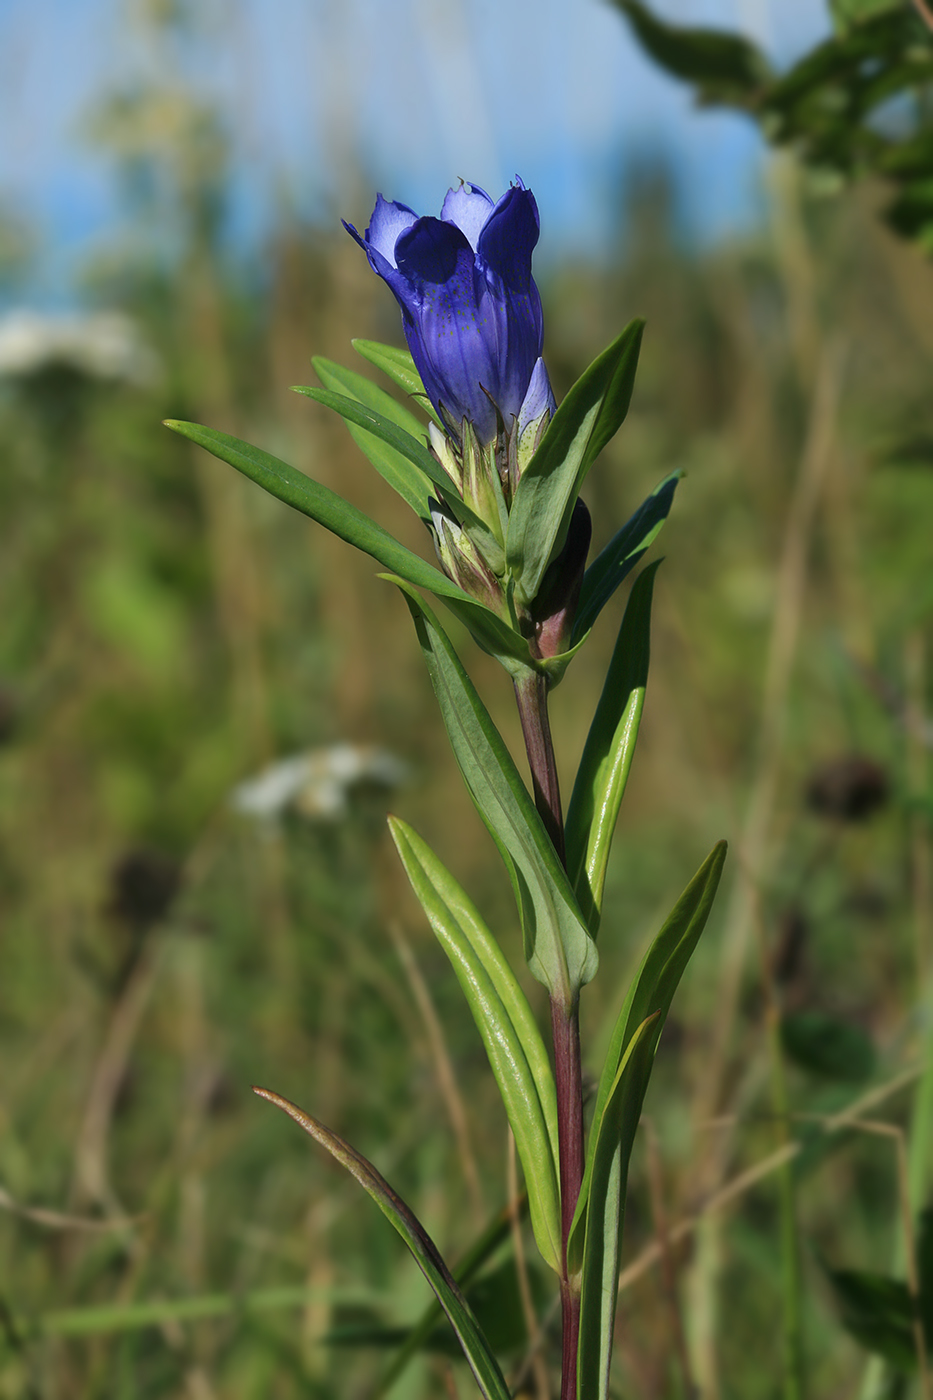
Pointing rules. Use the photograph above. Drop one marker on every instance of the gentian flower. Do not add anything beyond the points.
(470, 309)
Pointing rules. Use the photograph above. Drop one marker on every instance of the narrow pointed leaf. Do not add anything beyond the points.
(593, 1245)
(607, 755)
(589, 416)
(505, 1021)
(400, 367)
(386, 429)
(476, 1349)
(559, 950)
(606, 1188)
(466, 1269)
(288, 484)
(621, 554)
(403, 476)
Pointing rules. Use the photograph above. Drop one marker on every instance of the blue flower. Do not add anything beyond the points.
(470, 308)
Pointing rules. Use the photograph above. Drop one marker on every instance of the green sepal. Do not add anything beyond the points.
(516, 1051)
(593, 1241)
(621, 554)
(400, 367)
(559, 950)
(607, 754)
(409, 480)
(589, 416)
(475, 1348)
(344, 520)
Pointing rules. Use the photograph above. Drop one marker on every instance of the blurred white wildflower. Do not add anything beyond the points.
(103, 345)
(318, 784)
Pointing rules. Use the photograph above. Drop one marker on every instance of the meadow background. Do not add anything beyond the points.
(167, 632)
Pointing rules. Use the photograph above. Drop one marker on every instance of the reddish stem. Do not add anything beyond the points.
(531, 697)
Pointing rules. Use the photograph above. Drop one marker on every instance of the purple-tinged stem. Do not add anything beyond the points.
(531, 697)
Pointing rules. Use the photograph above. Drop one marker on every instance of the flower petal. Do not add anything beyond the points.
(452, 333)
(388, 223)
(508, 238)
(468, 207)
(540, 397)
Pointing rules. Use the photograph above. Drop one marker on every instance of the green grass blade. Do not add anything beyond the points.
(593, 1245)
(400, 367)
(589, 416)
(403, 476)
(607, 755)
(621, 554)
(479, 1357)
(558, 947)
(288, 484)
(516, 1051)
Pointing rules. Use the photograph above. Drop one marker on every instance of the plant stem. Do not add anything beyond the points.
(531, 698)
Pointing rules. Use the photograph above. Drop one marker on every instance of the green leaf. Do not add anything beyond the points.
(403, 476)
(607, 755)
(344, 520)
(878, 1313)
(475, 1348)
(466, 1269)
(589, 416)
(517, 1055)
(400, 367)
(605, 1187)
(559, 950)
(723, 67)
(622, 553)
(828, 1046)
(593, 1244)
(381, 427)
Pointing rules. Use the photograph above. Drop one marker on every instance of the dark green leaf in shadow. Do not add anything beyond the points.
(723, 67)
(474, 1345)
(607, 754)
(621, 554)
(877, 1312)
(828, 1046)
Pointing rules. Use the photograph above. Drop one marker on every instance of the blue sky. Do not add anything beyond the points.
(412, 94)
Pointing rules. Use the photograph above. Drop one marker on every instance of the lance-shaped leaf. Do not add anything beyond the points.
(607, 754)
(342, 519)
(505, 1021)
(382, 427)
(400, 367)
(466, 1269)
(724, 67)
(476, 1349)
(387, 432)
(621, 554)
(593, 1243)
(559, 950)
(410, 481)
(589, 416)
